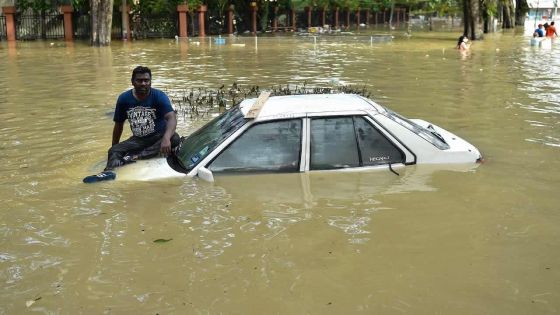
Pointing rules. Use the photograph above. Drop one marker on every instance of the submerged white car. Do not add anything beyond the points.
(305, 133)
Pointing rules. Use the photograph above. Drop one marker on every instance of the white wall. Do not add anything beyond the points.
(533, 4)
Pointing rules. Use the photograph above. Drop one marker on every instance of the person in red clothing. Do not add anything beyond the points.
(551, 30)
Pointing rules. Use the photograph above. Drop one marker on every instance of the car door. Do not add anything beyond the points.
(271, 146)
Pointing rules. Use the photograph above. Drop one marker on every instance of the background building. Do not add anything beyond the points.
(543, 10)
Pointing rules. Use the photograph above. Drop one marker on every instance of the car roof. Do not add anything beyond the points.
(300, 105)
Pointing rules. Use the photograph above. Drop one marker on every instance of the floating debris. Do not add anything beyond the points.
(31, 302)
(162, 240)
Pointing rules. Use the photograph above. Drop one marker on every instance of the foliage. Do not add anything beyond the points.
(80, 5)
(162, 6)
(39, 5)
(490, 7)
(154, 6)
(193, 4)
(351, 4)
(443, 6)
(301, 4)
(323, 3)
(221, 5)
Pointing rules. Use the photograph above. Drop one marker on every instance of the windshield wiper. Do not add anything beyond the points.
(435, 133)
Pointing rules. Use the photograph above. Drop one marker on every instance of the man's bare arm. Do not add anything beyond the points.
(117, 132)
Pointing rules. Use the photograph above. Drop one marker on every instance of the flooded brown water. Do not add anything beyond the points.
(431, 241)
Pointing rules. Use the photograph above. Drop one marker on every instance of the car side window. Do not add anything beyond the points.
(333, 143)
(375, 148)
(267, 147)
(341, 142)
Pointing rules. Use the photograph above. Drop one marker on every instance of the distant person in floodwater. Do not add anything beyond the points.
(551, 30)
(462, 43)
(540, 31)
(535, 40)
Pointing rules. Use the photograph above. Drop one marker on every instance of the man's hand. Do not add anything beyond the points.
(165, 145)
(171, 121)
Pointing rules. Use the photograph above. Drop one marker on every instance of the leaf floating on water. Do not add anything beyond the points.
(162, 240)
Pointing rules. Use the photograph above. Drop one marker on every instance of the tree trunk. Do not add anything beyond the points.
(521, 8)
(101, 22)
(472, 23)
(391, 15)
(487, 19)
(508, 21)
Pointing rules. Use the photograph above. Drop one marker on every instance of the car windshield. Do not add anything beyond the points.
(195, 147)
(429, 135)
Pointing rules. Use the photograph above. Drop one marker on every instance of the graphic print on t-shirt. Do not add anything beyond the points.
(142, 120)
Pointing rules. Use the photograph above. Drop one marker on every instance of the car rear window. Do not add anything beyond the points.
(346, 142)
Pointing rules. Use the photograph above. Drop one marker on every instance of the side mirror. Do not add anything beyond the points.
(205, 174)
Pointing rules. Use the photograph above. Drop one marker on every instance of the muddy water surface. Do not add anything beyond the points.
(481, 240)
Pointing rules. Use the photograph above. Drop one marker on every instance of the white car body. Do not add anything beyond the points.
(415, 144)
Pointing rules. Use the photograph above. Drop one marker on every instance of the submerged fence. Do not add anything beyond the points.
(155, 26)
(51, 26)
(318, 41)
(3, 34)
(39, 26)
(81, 24)
(32, 26)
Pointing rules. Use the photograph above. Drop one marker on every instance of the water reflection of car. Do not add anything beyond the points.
(302, 133)
(310, 187)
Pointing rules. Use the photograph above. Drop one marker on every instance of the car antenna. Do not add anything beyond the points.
(392, 170)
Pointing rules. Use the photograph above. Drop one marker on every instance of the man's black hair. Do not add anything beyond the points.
(141, 70)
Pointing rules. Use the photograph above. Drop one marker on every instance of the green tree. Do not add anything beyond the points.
(220, 6)
(38, 6)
